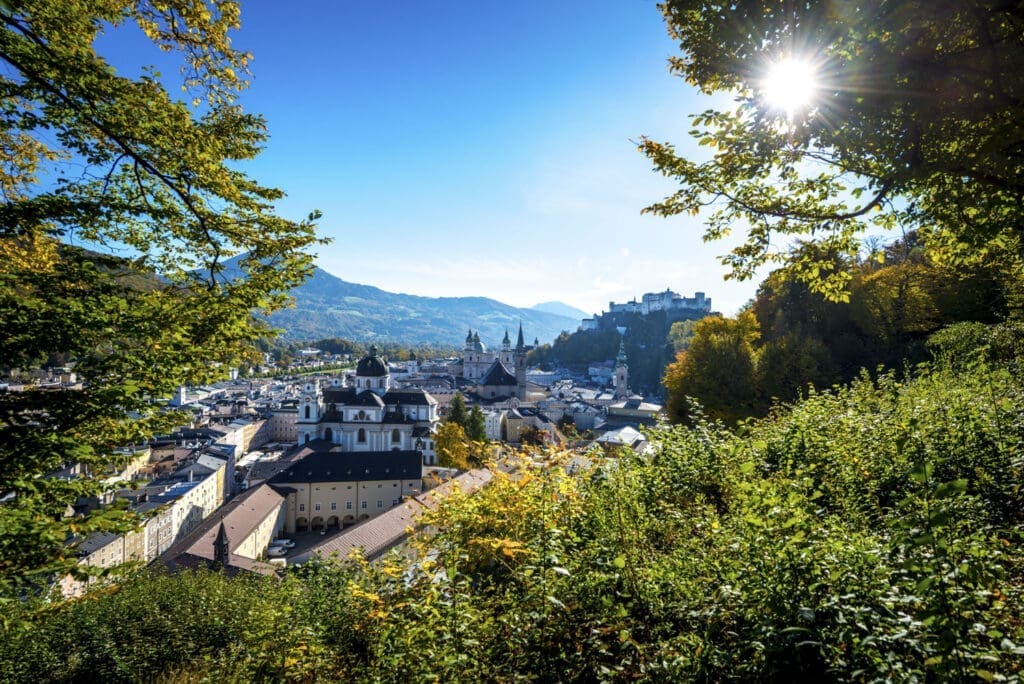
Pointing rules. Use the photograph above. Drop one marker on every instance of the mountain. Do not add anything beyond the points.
(561, 309)
(327, 306)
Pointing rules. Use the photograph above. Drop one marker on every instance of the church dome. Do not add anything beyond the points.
(371, 365)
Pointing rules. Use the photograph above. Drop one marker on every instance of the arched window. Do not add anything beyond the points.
(307, 411)
(307, 436)
(396, 436)
(329, 434)
(361, 436)
(361, 415)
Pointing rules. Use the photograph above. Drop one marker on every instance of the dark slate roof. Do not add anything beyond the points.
(352, 397)
(497, 374)
(413, 397)
(371, 366)
(328, 463)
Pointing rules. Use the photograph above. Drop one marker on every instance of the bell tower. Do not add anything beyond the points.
(621, 371)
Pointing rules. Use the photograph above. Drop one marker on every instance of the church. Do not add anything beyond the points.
(500, 375)
(370, 416)
(477, 361)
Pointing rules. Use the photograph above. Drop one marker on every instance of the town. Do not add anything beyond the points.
(338, 460)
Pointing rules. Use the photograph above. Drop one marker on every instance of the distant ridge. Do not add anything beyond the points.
(327, 306)
(561, 309)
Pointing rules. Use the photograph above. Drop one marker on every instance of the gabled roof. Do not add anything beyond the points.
(498, 375)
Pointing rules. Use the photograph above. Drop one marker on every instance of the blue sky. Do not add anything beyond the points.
(482, 148)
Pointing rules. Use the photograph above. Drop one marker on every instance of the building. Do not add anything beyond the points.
(477, 360)
(371, 416)
(330, 486)
(675, 306)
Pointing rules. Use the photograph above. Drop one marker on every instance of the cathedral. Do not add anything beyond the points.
(477, 360)
(500, 375)
(370, 416)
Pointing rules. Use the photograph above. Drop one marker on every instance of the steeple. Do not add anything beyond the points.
(506, 343)
(520, 365)
(222, 547)
(620, 359)
(621, 371)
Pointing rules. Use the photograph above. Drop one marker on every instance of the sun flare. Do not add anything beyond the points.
(790, 85)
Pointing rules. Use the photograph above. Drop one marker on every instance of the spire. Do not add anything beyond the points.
(520, 345)
(222, 547)
(506, 342)
(469, 336)
(620, 360)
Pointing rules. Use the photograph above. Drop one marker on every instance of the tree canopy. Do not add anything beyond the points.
(117, 163)
(915, 121)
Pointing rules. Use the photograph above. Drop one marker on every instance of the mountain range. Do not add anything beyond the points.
(327, 306)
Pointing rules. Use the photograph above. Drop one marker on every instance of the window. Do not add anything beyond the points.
(307, 411)
(302, 508)
(361, 436)
(380, 503)
(316, 507)
(396, 436)
(334, 505)
(364, 505)
(348, 505)
(394, 502)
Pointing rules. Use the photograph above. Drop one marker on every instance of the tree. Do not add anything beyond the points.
(116, 161)
(476, 429)
(916, 120)
(457, 411)
(567, 426)
(717, 368)
(533, 436)
(452, 446)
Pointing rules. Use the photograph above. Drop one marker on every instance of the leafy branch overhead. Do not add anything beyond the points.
(95, 157)
(915, 121)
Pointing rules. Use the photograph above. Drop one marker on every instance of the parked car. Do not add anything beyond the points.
(286, 543)
(277, 551)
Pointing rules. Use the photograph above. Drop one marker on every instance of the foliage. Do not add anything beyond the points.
(867, 533)
(531, 435)
(649, 348)
(718, 366)
(476, 429)
(807, 340)
(92, 155)
(916, 123)
(452, 446)
(457, 411)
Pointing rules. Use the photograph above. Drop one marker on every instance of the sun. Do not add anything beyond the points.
(790, 85)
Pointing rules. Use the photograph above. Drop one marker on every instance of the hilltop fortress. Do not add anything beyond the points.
(675, 307)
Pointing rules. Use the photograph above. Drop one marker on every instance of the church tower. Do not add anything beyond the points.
(222, 548)
(309, 411)
(507, 355)
(520, 366)
(621, 372)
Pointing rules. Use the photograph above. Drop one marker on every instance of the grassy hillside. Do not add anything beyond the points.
(871, 532)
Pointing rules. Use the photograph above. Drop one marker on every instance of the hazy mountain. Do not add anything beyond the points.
(327, 306)
(561, 309)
